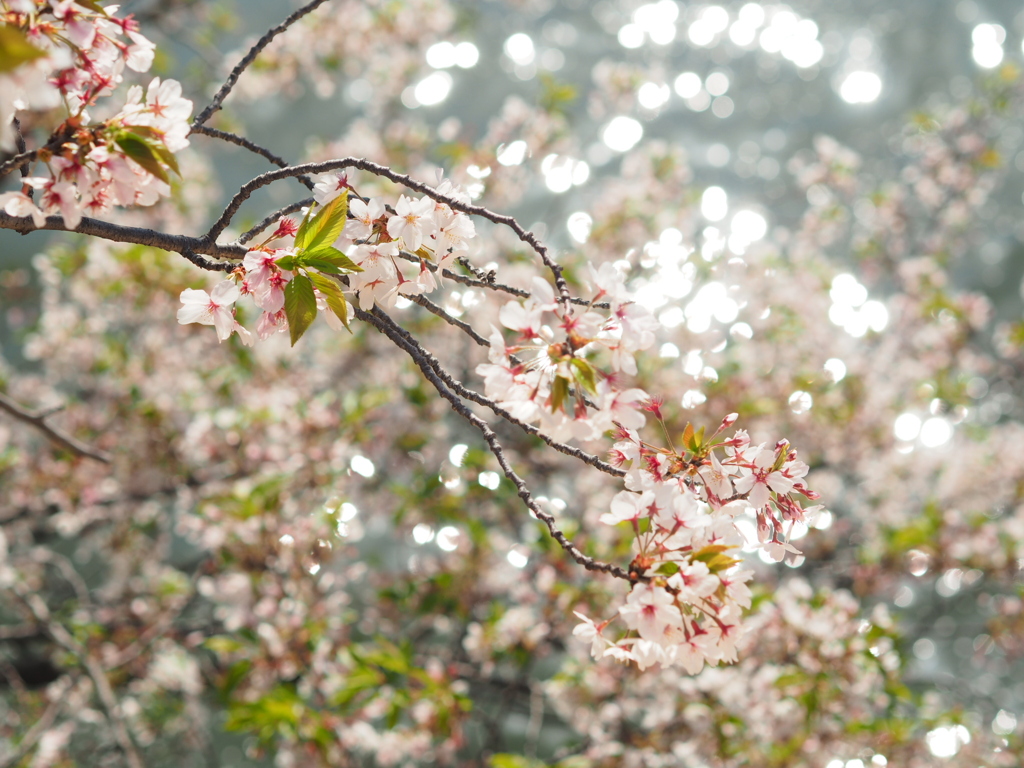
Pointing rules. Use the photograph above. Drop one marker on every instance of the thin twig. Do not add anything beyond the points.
(106, 695)
(463, 326)
(536, 721)
(157, 630)
(23, 158)
(496, 449)
(273, 218)
(65, 441)
(248, 59)
(43, 724)
(14, 679)
(19, 160)
(67, 570)
(19, 631)
(252, 146)
(22, 147)
(362, 164)
(489, 284)
(468, 394)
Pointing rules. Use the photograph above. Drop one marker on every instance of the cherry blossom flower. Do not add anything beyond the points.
(329, 187)
(410, 222)
(627, 506)
(18, 204)
(693, 581)
(214, 308)
(364, 214)
(761, 478)
(590, 632)
(650, 610)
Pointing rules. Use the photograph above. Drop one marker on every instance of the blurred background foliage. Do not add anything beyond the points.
(302, 556)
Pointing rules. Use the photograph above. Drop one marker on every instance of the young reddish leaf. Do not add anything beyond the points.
(299, 306)
(559, 391)
(332, 295)
(688, 434)
(714, 557)
(15, 49)
(697, 441)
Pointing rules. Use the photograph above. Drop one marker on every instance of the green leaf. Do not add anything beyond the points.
(143, 154)
(167, 157)
(506, 760)
(334, 256)
(714, 557)
(696, 440)
(300, 233)
(688, 435)
(720, 563)
(324, 266)
(286, 262)
(325, 226)
(559, 391)
(585, 374)
(223, 644)
(236, 674)
(359, 680)
(332, 295)
(299, 306)
(15, 49)
(155, 140)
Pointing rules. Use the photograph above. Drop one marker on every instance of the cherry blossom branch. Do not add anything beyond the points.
(24, 157)
(67, 570)
(405, 180)
(465, 327)
(487, 282)
(274, 217)
(423, 363)
(14, 163)
(65, 441)
(43, 724)
(487, 279)
(159, 629)
(118, 233)
(241, 141)
(19, 142)
(248, 59)
(468, 394)
(18, 631)
(106, 695)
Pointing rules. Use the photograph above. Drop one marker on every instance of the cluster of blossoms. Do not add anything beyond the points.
(686, 604)
(545, 376)
(687, 600)
(383, 256)
(72, 54)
